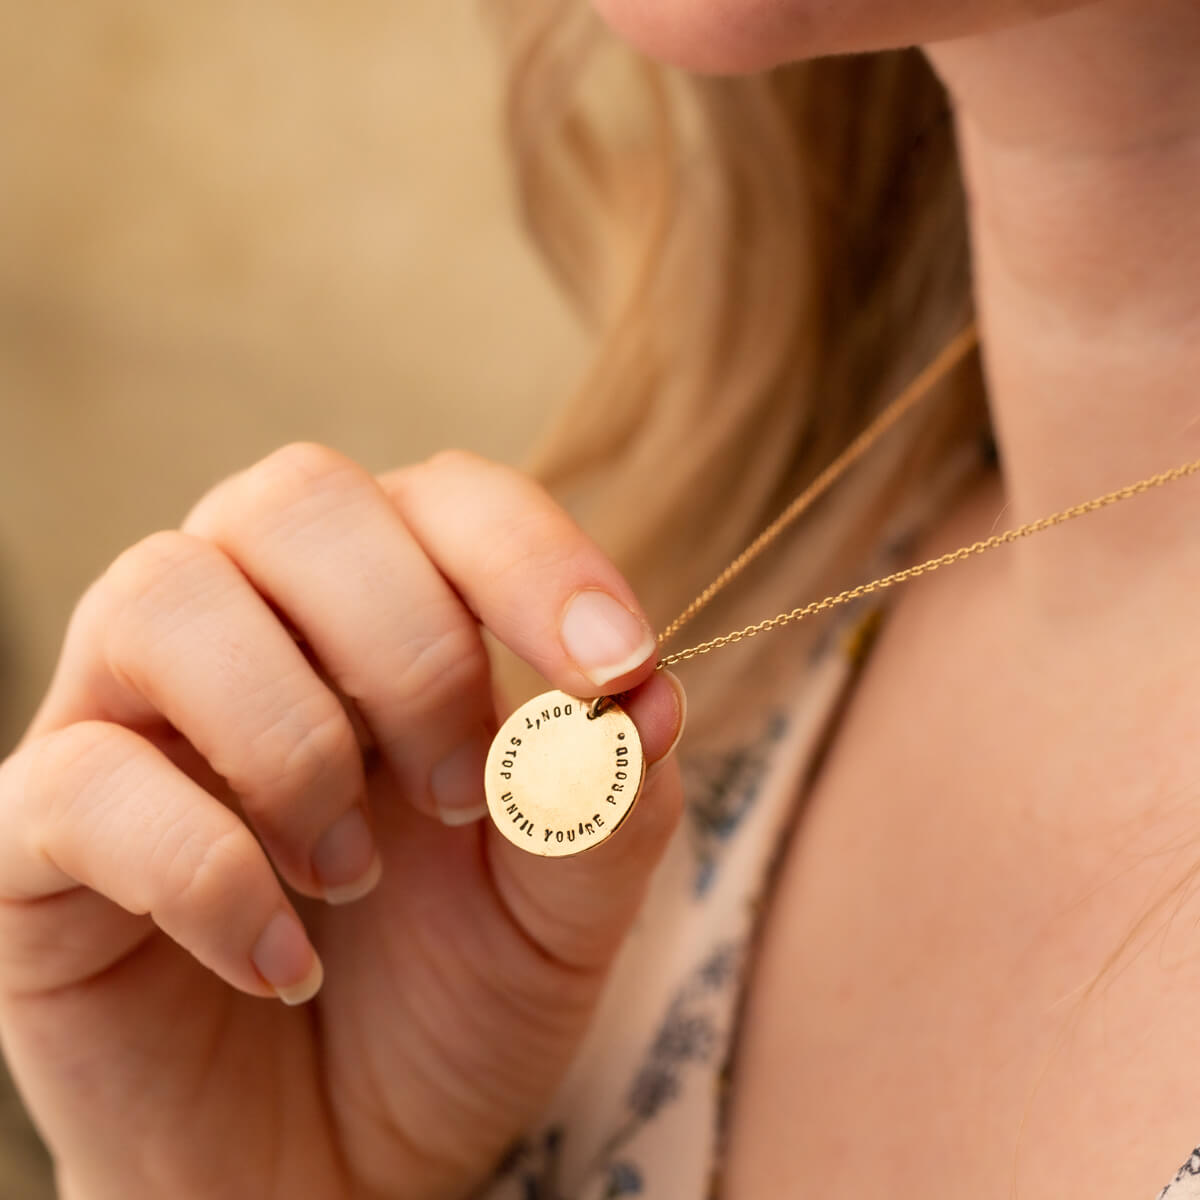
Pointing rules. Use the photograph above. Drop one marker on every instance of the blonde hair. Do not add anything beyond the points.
(764, 260)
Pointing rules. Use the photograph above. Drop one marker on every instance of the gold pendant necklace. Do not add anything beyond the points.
(563, 773)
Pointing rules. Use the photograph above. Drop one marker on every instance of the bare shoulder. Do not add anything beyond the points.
(981, 964)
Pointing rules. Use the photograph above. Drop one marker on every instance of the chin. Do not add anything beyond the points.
(717, 36)
(742, 36)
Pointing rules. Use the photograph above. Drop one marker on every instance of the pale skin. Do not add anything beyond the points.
(987, 829)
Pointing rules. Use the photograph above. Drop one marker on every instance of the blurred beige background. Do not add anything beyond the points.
(223, 227)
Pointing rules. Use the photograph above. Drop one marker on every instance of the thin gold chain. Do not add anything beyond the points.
(941, 366)
(944, 560)
(917, 390)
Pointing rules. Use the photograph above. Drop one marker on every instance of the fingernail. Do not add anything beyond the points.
(681, 701)
(603, 638)
(286, 960)
(345, 860)
(457, 782)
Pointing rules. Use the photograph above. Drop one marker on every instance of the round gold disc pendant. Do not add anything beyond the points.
(560, 781)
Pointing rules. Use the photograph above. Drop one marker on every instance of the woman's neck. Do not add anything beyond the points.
(1081, 145)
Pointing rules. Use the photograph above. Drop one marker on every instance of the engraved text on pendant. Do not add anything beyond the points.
(558, 781)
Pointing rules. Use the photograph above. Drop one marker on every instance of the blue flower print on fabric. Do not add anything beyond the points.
(721, 789)
(1186, 1183)
(624, 1179)
(689, 1035)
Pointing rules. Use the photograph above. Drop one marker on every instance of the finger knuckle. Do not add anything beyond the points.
(288, 487)
(66, 751)
(450, 662)
(453, 460)
(213, 499)
(200, 871)
(145, 591)
(84, 750)
(299, 467)
(310, 747)
(92, 758)
(168, 560)
(444, 470)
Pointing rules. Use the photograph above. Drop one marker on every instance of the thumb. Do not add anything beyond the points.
(578, 909)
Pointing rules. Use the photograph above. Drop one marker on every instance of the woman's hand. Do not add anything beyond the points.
(292, 688)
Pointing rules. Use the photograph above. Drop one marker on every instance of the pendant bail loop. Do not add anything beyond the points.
(599, 707)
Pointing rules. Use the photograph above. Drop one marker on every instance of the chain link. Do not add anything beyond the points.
(933, 564)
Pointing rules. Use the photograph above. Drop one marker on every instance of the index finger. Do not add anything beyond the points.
(527, 571)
